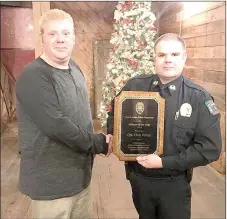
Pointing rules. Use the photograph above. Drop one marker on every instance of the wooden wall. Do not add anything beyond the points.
(202, 25)
(93, 21)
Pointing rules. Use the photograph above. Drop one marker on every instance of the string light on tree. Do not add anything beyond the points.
(133, 49)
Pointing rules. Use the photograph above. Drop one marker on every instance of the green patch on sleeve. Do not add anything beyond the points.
(211, 107)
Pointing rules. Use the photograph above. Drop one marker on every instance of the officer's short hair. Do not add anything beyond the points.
(170, 36)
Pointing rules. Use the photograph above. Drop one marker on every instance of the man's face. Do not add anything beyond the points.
(170, 58)
(58, 40)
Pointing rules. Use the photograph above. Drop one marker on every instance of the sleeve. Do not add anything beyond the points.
(39, 100)
(207, 143)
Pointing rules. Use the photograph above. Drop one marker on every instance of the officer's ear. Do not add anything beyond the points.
(185, 56)
(74, 38)
(155, 58)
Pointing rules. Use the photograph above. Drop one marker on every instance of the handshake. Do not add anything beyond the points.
(109, 141)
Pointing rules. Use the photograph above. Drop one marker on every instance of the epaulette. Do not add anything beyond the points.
(193, 85)
(141, 77)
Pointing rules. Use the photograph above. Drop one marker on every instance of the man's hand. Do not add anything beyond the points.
(150, 161)
(109, 140)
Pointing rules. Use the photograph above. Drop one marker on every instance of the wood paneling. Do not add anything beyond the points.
(207, 52)
(206, 41)
(204, 29)
(207, 63)
(97, 18)
(102, 49)
(217, 77)
(39, 8)
(215, 39)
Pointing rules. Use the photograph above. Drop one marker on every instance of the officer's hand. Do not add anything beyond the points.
(109, 140)
(150, 161)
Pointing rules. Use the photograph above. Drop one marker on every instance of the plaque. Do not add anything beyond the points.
(138, 124)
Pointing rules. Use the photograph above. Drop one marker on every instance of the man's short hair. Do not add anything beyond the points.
(54, 14)
(170, 36)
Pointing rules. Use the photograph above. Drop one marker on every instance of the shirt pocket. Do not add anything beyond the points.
(183, 132)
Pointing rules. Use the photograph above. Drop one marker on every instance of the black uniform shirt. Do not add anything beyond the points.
(192, 135)
(170, 93)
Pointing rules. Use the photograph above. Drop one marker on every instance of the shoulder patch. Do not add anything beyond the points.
(211, 107)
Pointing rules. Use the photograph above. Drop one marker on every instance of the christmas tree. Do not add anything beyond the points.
(133, 40)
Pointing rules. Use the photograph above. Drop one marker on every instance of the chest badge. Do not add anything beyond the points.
(186, 110)
(172, 87)
(155, 82)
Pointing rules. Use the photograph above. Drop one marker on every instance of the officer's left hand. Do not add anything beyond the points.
(150, 161)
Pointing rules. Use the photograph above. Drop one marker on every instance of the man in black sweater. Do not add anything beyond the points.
(55, 127)
(192, 136)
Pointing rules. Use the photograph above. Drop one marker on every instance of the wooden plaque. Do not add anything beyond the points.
(138, 124)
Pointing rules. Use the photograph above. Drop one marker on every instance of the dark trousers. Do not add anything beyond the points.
(161, 198)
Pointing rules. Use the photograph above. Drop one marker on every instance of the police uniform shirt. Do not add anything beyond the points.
(192, 135)
(170, 93)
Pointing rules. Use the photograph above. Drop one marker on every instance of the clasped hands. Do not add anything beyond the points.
(148, 161)
(109, 141)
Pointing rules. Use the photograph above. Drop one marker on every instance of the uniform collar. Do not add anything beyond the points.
(155, 82)
(172, 86)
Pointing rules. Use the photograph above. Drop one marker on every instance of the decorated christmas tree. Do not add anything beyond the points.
(133, 49)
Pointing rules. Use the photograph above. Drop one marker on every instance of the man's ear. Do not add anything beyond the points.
(41, 36)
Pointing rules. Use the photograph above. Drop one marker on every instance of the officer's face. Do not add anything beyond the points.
(170, 58)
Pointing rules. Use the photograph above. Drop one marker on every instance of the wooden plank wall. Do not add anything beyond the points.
(93, 21)
(202, 25)
(39, 8)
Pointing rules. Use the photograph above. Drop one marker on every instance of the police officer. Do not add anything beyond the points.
(192, 137)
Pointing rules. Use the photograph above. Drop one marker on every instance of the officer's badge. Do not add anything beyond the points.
(172, 87)
(155, 82)
(211, 107)
(140, 107)
(186, 110)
